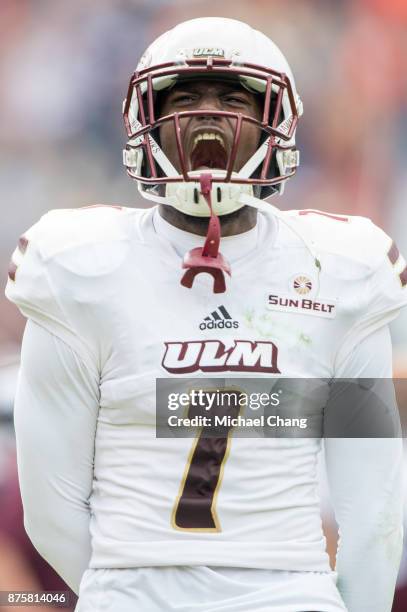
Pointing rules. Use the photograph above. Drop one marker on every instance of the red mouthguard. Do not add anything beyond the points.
(207, 258)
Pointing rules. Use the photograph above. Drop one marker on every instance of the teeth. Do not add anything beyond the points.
(208, 136)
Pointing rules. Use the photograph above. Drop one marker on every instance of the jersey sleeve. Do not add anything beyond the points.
(55, 414)
(367, 473)
(385, 295)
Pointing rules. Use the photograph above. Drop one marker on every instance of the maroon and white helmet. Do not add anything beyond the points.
(227, 49)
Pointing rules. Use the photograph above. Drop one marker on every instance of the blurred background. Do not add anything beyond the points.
(64, 69)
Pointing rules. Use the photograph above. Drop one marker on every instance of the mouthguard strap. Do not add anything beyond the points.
(207, 258)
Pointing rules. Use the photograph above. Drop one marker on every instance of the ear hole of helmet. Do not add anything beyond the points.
(261, 191)
(158, 98)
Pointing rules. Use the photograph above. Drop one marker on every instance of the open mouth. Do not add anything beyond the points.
(208, 151)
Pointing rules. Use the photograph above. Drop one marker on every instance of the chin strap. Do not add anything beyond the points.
(207, 258)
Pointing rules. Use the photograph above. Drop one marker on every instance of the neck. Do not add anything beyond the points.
(238, 222)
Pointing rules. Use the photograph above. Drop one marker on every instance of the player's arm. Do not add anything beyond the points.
(365, 478)
(56, 412)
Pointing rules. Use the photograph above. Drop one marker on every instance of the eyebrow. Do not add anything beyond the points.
(226, 88)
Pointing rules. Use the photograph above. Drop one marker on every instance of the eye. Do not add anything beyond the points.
(184, 98)
(235, 99)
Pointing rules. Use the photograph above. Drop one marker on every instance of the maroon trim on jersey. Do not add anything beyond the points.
(311, 211)
(22, 247)
(393, 253)
(22, 244)
(12, 269)
(403, 277)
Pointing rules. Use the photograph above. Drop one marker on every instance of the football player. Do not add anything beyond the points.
(212, 279)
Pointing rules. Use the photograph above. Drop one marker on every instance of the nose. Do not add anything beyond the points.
(210, 101)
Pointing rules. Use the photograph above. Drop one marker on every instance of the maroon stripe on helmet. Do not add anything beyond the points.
(22, 244)
(403, 277)
(393, 253)
(12, 269)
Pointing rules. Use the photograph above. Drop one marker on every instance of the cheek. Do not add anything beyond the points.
(167, 142)
(253, 135)
(165, 136)
(249, 141)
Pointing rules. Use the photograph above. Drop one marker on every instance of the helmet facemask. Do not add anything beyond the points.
(274, 161)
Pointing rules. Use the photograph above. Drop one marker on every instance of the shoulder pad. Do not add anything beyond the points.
(87, 241)
(62, 263)
(352, 237)
(64, 229)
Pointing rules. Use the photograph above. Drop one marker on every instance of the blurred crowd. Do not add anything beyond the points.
(64, 70)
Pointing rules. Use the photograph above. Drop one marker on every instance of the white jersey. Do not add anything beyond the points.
(104, 282)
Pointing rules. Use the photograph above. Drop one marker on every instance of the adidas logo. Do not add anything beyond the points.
(219, 319)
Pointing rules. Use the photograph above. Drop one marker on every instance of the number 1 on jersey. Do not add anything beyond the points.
(195, 507)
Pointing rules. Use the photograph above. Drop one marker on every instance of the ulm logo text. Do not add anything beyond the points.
(213, 356)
